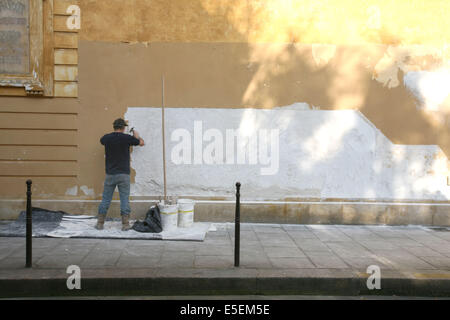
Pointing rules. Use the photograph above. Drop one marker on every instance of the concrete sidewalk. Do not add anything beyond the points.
(275, 259)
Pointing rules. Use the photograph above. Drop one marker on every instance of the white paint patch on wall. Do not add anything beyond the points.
(72, 191)
(430, 88)
(398, 58)
(323, 53)
(322, 154)
(87, 191)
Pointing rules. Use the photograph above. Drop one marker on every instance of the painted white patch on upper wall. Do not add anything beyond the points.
(430, 88)
(323, 53)
(397, 58)
(322, 154)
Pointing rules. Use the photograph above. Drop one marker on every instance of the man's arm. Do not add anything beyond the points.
(137, 136)
(102, 140)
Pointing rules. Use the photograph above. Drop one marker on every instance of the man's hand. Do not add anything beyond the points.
(137, 136)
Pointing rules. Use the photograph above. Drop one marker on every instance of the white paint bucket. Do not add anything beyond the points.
(185, 213)
(169, 216)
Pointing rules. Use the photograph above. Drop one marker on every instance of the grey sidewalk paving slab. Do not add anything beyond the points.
(217, 234)
(245, 235)
(378, 245)
(68, 249)
(214, 250)
(311, 245)
(244, 226)
(177, 260)
(423, 252)
(358, 263)
(215, 262)
(255, 260)
(400, 262)
(321, 253)
(248, 243)
(139, 262)
(299, 235)
(274, 232)
(407, 243)
(271, 236)
(438, 262)
(132, 252)
(294, 227)
(283, 243)
(112, 245)
(208, 272)
(101, 259)
(60, 261)
(428, 239)
(268, 252)
(217, 242)
(15, 263)
(280, 252)
(329, 262)
(20, 252)
(291, 263)
(331, 235)
(442, 235)
(184, 246)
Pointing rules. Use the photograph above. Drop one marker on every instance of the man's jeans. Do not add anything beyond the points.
(122, 181)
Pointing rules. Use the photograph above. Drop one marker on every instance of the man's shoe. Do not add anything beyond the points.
(126, 222)
(100, 221)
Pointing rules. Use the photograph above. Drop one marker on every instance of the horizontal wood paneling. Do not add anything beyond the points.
(60, 24)
(12, 91)
(38, 121)
(66, 89)
(38, 153)
(66, 40)
(42, 186)
(36, 106)
(40, 138)
(66, 73)
(19, 168)
(66, 56)
(60, 6)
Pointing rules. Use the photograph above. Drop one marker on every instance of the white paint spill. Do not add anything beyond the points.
(72, 191)
(430, 88)
(322, 154)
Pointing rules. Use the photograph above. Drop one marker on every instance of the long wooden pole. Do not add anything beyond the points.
(164, 139)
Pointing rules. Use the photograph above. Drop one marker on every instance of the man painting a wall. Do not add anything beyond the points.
(117, 166)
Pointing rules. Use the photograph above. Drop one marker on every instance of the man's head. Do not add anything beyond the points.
(119, 125)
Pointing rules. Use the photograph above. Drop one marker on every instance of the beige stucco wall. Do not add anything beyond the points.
(225, 54)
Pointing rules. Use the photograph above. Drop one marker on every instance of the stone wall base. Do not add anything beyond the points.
(356, 213)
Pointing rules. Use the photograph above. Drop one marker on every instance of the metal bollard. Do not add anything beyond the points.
(237, 227)
(29, 226)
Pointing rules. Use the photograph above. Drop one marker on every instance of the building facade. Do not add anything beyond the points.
(326, 111)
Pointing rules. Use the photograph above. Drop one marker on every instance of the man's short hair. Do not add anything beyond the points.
(119, 124)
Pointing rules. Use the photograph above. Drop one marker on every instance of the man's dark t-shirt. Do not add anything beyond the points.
(117, 150)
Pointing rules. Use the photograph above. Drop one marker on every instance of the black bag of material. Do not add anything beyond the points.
(152, 222)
